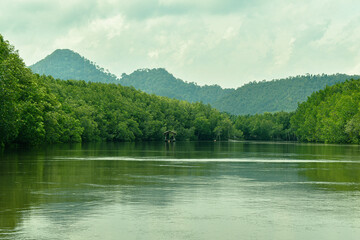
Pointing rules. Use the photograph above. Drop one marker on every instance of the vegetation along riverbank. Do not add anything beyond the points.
(38, 109)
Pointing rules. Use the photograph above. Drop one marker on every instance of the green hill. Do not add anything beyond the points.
(38, 109)
(161, 82)
(276, 95)
(66, 64)
(252, 98)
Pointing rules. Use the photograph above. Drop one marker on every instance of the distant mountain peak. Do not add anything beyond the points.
(153, 70)
(63, 53)
(252, 98)
(64, 50)
(67, 64)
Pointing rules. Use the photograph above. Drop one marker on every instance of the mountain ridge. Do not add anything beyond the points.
(278, 94)
(38, 109)
(252, 98)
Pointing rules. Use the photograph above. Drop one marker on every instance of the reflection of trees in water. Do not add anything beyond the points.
(15, 189)
(333, 176)
(88, 175)
(340, 173)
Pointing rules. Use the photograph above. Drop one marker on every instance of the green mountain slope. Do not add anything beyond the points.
(276, 95)
(161, 82)
(66, 64)
(38, 109)
(252, 98)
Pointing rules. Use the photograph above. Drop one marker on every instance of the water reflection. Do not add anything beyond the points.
(74, 183)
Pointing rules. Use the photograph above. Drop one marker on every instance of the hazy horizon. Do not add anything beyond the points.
(228, 43)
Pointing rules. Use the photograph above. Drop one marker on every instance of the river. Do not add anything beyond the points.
(182, 190)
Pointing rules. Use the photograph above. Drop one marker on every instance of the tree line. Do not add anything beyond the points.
(331, 115)
(37, 109)
(40, 109)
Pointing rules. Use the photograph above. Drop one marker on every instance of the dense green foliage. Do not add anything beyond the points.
(23, 100)
(253, 98)
(276, 95)
(112, 112)
(331, 115)
(36, 109)
(66, 64)
(267, 126)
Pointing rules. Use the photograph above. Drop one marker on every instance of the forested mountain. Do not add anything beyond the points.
(161, 82)
(66, 64)
(39, 109)
(331, 115)
(252, 98)
(276, 95)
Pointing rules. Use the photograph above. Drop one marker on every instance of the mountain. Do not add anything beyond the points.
(38, 109)
(252, 98)
(66, 64)
(160, 82)
(276, 95)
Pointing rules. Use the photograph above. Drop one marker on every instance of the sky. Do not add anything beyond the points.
(224, 42)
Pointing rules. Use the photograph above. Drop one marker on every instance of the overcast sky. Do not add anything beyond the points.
(225, 42)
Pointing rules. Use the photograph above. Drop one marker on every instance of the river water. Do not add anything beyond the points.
(183, 190)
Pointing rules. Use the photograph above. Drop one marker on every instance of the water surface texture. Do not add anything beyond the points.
(183, 190)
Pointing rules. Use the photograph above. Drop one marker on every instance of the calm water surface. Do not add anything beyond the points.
(186, 190)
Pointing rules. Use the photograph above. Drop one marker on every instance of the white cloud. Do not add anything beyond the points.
(285, 49)
(226, 42)
(154, 54)
(111, 27)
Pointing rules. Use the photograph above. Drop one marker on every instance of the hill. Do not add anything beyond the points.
(38, 109)
(252, 98)
(66, 64)
(276, 95)
(161, 82)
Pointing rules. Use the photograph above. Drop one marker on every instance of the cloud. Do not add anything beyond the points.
(111, 27)
(227, 42)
